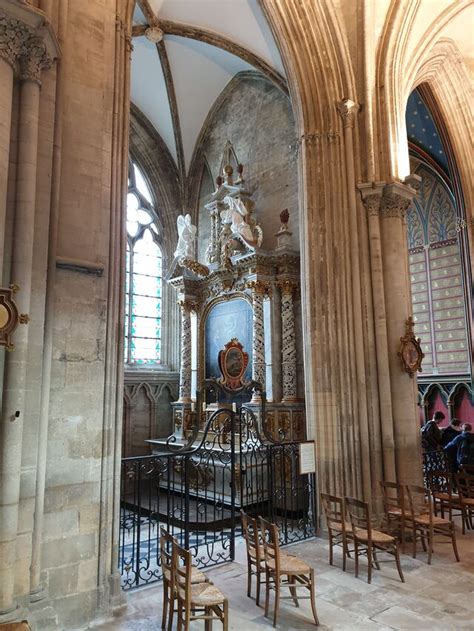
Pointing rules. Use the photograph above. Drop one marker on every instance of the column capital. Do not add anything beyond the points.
(347, 110)
(371, 194)
(259, 287)
(13, 35)
(34, 59)
(27, 40)
(396, 198)
(187, 305)
(288, 286)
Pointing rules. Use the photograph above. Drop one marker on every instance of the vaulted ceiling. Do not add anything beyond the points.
(184, 54)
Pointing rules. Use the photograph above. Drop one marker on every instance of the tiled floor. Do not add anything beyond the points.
(438, 597)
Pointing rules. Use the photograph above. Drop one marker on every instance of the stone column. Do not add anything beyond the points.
(33, 59)
(288, 342)
(395, 201)
(12, 36)
(371, 197)
(259, 290)
(185, 366)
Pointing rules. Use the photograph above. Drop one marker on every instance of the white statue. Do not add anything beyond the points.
(186, 237)
(238, 216)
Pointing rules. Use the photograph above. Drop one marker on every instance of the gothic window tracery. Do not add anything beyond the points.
(143, 278)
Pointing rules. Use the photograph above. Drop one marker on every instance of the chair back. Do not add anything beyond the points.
(440, 482)
(465, 485)
(359, 513)
(182, 567)
(167, 543)
(253, 539)
(392, 495)
(419, 499)
(271, 544)
(334, 511)
(467, 468)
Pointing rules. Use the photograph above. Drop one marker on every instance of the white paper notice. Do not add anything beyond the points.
(307, 457)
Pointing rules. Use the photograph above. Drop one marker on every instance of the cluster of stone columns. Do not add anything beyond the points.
(27, 48)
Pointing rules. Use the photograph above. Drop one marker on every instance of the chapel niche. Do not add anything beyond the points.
(237, 290)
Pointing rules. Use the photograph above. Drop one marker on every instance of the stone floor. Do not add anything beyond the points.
(437, 597)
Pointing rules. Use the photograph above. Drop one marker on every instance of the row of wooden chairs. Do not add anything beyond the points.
(359, 531)
(196, 597)
(453, 492)
(274, 568)
(407, 508)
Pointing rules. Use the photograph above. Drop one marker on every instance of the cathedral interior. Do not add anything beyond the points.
(235, 253)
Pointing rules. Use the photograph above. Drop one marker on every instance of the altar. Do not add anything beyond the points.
(242, 291)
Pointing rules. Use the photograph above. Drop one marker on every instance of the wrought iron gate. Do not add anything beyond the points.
(196, 494)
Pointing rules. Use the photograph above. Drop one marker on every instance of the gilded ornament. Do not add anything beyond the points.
(10, 318)
(410, 351)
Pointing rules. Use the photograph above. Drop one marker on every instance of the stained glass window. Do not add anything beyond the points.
(143, 278)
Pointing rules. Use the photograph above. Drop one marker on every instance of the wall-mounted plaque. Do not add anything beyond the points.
(307, 457)
(233, 363)
(410, 351)
(9, 316)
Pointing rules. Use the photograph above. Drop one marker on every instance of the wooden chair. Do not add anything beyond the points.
(255, 553)
(15, 626)
(278, 565)
(440, 484)
(196, 601)
(395, 509)
(167, 543)
(426, 524)
(465, 487)
(367, 540)
(339, 529)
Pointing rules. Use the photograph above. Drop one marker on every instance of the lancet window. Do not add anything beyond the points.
(143, 281)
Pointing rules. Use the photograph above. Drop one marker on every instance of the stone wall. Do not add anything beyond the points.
(256, 117)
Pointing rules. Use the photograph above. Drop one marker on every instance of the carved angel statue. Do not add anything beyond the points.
(241, 222)
(186, 237)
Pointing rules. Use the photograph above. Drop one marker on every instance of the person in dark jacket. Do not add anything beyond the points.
(450, 432)
(431, 433)
(463, 445)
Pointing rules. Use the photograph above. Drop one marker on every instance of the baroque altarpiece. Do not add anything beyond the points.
(241, 292)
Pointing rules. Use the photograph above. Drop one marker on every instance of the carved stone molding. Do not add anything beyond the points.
(396, 198)
(13, 35)
(347, 110)
(371, 194)
(314, 138)
(34, 59)
(27, 41)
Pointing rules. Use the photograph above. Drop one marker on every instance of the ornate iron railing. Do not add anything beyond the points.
(196, 494)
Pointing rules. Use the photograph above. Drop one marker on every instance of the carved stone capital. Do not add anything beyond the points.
(371, 194)
(347, 110)
(288, 287)
(34, 59)
(188, 305)
(13, 35)
(396, 199)
(259, 287)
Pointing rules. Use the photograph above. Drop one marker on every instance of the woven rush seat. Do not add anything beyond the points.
(377, 536)
(15, 626)
(289, 565)
(196, 575)
(468, 500)
(205, 595)
(337, 526)
(441, 495)
(425, 519)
